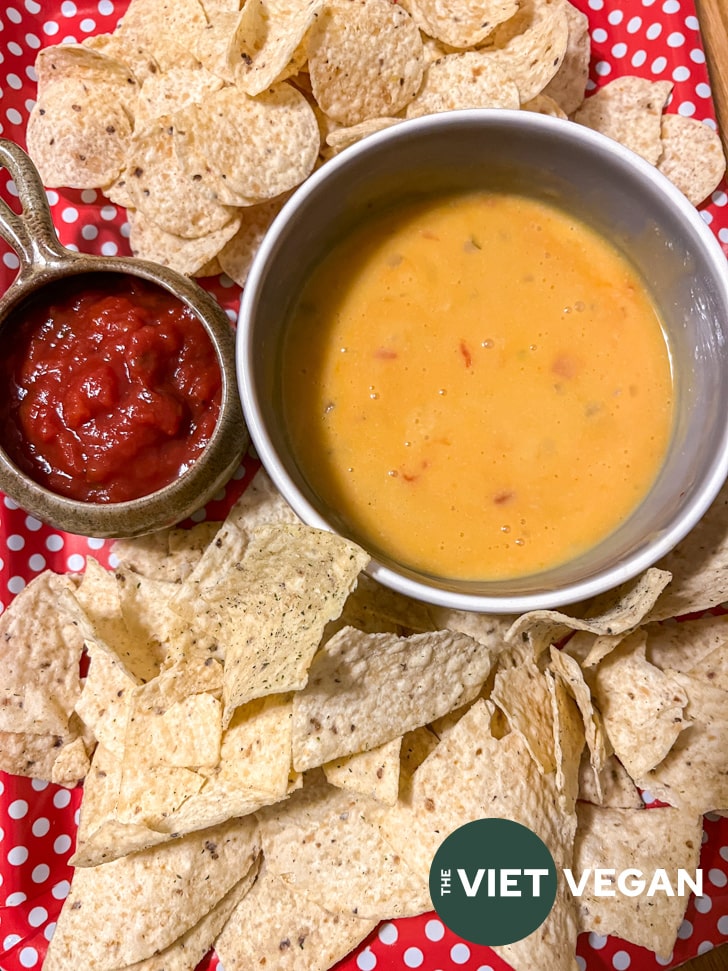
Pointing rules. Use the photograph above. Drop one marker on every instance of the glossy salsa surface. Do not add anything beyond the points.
(478, 384)
(114, 388)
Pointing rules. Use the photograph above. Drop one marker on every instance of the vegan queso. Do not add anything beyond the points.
(480, 384)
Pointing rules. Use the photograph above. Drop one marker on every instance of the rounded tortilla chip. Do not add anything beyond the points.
(245, 150)
(542, 104)
(692, 156)
(167, 91)
(187, 256)
(460, 23)
(365, 59)
(629, 110)
(237, 255)
(341, 138)
(167, 193)
(469, 80)
(567, 86)
(77, 134)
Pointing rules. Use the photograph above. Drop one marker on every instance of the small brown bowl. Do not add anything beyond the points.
(44, 261)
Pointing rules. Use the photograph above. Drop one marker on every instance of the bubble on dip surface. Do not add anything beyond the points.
(112, 385)
(479, 386)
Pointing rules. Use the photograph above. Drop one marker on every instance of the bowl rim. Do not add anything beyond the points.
(627, 568)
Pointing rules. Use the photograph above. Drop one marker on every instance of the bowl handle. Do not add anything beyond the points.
(31, 233)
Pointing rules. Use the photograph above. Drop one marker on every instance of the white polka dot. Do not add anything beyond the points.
(14, 116)
(413, 957)
(69, 215)
(703, 90)
(16, 584)
(68, 8)
(717, 877)
(232, 314)
(596, 4)
(109, 248)
(113, 561)
(54, 543)
(32, 524)
(39, 784)
(69, 39)
(596, 941)
(15, 542)
(11, 261)
(14, 81)
(634, 24)
(675, 39)
(198, 516)
(37, 916)
(32, 6)
(658, 65)
(599, 35)
(638, 59)
(61, 799)
(18, 855)
(62, 844)
(37, 562)
(685, 930)
(720, 198)
(32, 41)
(226, 282)
(703, 904)
(60, 890)
(603, 68)
(17, 809)
(619, 50)
(15, 49)
(697, 56)
(9, 503)
(654, 31)
(50, 27)
(87, 25)
(10, 941)
(621, 960)
(459, 953)
(686, 108)
(706, 216)
(13, 15)
(615, 17)
(722, 924)
(367, 960)
(434, 930)
(681, 73)
(40, 873)
(48, 930)
(106, 8)
(88, 196)
(89, 232)
(28, 957)
(95, 543)
(75, 562)
(108, 213)
(15, 899)
(486, 967)
(692, 22)
(125, 230)
(671, 6)
(77, 816)
(388, 933)
(580, 963)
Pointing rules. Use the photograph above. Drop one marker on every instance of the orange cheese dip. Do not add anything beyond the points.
(479, 385)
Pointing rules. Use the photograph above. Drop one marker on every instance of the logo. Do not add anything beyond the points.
(493, 881)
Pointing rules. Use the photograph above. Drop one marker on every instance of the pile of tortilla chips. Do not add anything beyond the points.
(200, 117)
(273, 746)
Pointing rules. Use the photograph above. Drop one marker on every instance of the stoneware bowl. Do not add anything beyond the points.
(599, 182)
(44, 261)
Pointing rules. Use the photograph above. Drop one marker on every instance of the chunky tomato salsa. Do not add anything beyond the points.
(114, 389)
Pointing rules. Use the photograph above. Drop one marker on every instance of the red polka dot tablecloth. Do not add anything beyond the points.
(657, 39)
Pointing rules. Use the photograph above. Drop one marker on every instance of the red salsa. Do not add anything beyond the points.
(114, 389)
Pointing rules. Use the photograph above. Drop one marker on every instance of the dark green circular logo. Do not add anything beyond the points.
(493, 881)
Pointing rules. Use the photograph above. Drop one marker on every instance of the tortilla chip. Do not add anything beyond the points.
(629, 110)
(169, 555)
(374, 773)
(339, 712)
(692, 156)
(33, 756)
(323, 846)
(167, 28)
(693, 775)
(523, 694)
(276, 927)
(462, 23)
(542, 104)
(121, 48)
(625, 839)
(566, 88)
(376, 609)
(469, 80)
(260, 504)
(642, 707)
(341, 138)
(713, 668)
(155, 896)
(149, 241)
(683, 645)
(365, 59)
(612, 787)
(277, 600)
(39, 662)
(104, 702)
(237, 254)
(166, 91)
(620, 610)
